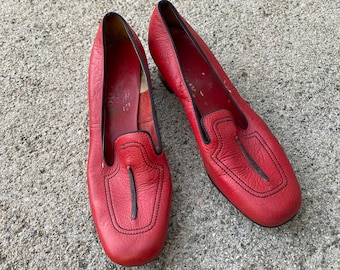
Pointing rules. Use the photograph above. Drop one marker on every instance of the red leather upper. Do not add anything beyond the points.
(240, 154)
(129, 235)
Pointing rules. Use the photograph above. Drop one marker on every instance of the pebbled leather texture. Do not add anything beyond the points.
(241, 155)
(130, 199)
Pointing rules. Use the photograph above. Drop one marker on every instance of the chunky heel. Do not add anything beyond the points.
(164, 82)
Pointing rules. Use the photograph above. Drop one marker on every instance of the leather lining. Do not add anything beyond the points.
(206, 89)
(127, 104)
(121, 93)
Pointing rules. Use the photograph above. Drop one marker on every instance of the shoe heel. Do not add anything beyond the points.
(164, 82)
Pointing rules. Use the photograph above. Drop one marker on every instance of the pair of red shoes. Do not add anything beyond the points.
(128, 175)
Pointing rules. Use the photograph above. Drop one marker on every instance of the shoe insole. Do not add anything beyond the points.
(145, 113)
(121, 93)
(207, 92)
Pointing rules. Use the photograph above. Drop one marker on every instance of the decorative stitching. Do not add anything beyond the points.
(157, 201)
(250, 159)
(272, 152)
(235, 177)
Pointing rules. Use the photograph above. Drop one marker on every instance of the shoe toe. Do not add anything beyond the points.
(131, 207)
(251, 169)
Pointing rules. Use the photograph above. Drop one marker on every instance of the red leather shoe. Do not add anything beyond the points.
(240, 154)
(129, 182)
